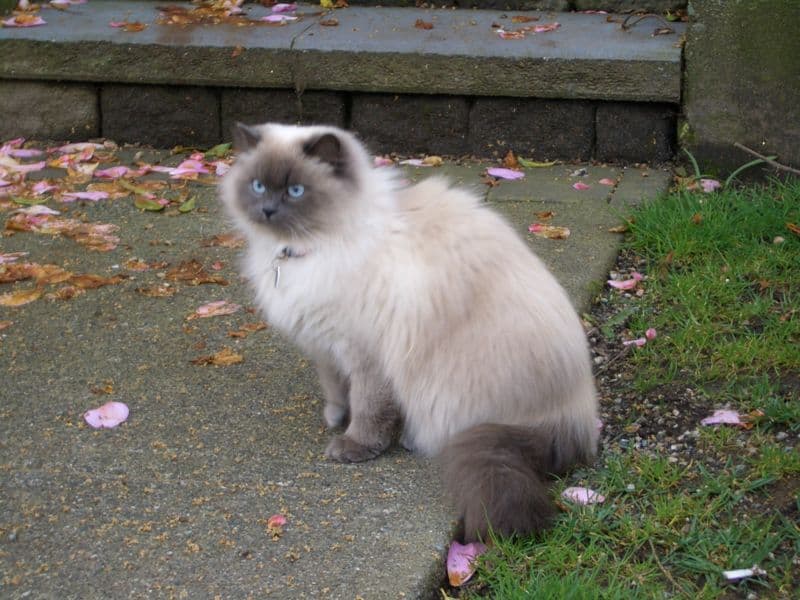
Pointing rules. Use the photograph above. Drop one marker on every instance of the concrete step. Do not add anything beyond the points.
(587, 90)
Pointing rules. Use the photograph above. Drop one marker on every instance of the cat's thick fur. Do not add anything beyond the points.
(420, 306)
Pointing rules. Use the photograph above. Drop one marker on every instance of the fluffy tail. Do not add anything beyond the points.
(498, 475)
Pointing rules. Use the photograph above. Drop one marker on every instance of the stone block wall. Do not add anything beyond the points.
(163, 116)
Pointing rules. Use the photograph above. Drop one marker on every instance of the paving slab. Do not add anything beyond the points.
(370, 49)
(175, 501)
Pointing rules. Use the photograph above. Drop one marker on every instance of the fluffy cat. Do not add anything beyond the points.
(419, 306)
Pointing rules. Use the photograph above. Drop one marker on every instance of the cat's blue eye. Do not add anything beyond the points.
(258, 187)
(296, 190)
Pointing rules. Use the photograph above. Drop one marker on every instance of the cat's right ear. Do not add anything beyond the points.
(245, 137)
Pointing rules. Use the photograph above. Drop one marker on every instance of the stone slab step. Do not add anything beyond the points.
(371, 49)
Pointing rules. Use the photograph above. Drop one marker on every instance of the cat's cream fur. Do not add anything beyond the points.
(418, 304)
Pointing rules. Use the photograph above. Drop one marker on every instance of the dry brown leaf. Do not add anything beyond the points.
(91, 282)
(329, 22)
(619, 228)
(5, 324)
(545, 215)
(20, 297)
(551, 232)
(192, 272)
(247, 329)
(697, 218)
(433, 161)
(137, 264)
(223, 358)
(793, 228)
(523, 19)
(65, 293)
(225, 240)
(420, 24)
(510, 161)
(237, 51)
(158, 291)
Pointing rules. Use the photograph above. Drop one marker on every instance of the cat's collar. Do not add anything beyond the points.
(283, 254)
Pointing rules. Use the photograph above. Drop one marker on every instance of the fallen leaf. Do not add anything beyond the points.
(523, 19)
(510, 161)
(93, 196)
(582, 495)
(793, 228)
(214, 309)
(420, 24)
(223, 358)
(20, 297)
(332, 22)
(619, 228)
(545, 215)
(551, 232)
(5, 324)
(461, 560)
(90, 282)
(192, 272)
(10, 257)
(137, 264)
(697, 218)
(107, 416)
(158, 291)
(225, 240)
(129, 26)
(433, 161)
(24, 20)
(511, 35)
(532, 164)
(247, 329)
(501, 173)
(149, 204)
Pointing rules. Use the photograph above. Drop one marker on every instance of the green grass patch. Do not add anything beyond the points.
(724, 296)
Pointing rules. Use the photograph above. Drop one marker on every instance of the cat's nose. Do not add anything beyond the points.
(268, 212)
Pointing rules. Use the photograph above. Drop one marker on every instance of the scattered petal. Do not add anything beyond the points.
(607, 181)
(283, 7)
(737, 574)
(461, 561)
(10, 257)
(107, 416)
(214, 309)
(582, 495)
(580, 186)
(278, 18)
(93, 196)
(709, 185)
(382, 161)
(225, 240)
(414, 162)
(113, 172)
(547, 27)
(651, 333)
(723, 417)
(501, 173)
(638, 342)
(24, 20)
(551, 232)
(626, 284)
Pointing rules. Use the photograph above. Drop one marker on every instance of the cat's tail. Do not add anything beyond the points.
(499, 475)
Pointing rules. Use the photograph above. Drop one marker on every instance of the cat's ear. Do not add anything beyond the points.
(245, 137)
(327, 148)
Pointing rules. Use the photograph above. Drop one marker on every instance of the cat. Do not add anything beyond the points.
(420, 307)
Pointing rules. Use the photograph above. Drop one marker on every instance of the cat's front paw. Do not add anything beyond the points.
(336, 415)
(345, 449)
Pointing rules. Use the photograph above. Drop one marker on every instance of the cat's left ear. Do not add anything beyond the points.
(327, 148)
(245, 137)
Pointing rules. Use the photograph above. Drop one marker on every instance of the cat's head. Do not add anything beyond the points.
(294, 181)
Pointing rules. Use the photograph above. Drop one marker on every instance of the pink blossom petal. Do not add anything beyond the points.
(723, 417)
(276, 521)
(26, 168)
(42, 187)
(461, 561)
(283, 7)
(709, 185)
(639, 342)
(510, 35)
(627, 284)
(79, 147)
(582, 495)
(24, 20)
(38, 209)
(10, 257)
(278, 18)
(190, 166)
(107, 416)
(414, 162)
(4, 183)
(15, 143)
(651, 333)
(580, 186)
(25, 153)
(502, 173)
(93, 196)
(607, 181)
(112, 172)
(215, 309)
(382, 161)
(599, 424)
(221, 167)
(546, 27)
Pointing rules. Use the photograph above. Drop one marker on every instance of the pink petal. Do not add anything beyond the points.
(38, 166)
(461, 561)
(215, 309)
(284, 7)
(19, 21)
(502, 173)
(25, 153)
(15, 143)
(188, 167)
(627, 284)
(607, 181)
(599, 424)
(510, 35)
(651, 333)
(709, 185)
(722, 417)
(414, 162)
(278, 18)
(582, 495)
(79, 147)
(638, 341)
(382, 161)
(112, 173)
(11, 257)
(580, 186)
(38, 209)
(107, 416)
(93, 196)
(276, 521)
(42, 187)
(546, 27)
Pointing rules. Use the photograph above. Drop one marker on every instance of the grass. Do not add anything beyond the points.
(724, 296)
